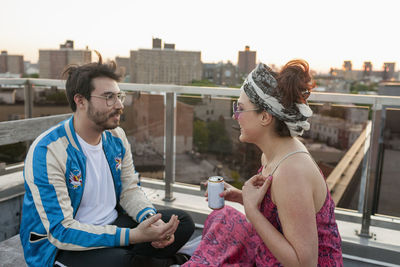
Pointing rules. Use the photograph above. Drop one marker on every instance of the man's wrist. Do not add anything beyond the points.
(133, 236)
(148, 215)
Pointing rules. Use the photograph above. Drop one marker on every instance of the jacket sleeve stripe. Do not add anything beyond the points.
(29, 179)
(127, 237)
(142, 214)
(124, 240)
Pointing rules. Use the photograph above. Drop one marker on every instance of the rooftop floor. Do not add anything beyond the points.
(381, 250)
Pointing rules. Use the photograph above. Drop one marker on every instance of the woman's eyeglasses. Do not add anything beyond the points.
(237, 112)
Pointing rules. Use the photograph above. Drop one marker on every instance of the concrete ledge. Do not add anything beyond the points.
(11, 185)
(11, 253)
(383, 246)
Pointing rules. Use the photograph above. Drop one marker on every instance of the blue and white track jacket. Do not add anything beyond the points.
(54, 173)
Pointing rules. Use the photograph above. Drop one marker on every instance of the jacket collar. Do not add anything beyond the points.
(73, 139)
(70, 130)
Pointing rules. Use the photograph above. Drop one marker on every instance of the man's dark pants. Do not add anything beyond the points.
(125, 256)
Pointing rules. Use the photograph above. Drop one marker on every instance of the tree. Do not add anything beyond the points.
(219, 142)
(357, 87)
(57, 97)
(200, 135)
(33, 75)
(211, 137)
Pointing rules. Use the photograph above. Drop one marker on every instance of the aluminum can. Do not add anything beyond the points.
(215, 187)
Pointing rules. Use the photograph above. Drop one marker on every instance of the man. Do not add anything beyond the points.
(82, 205)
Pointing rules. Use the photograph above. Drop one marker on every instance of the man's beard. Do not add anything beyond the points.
(101, 119)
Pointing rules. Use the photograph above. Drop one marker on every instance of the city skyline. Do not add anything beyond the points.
(325, 33)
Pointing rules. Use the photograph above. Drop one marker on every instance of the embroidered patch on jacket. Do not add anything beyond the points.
(75, 178)
(118, 162)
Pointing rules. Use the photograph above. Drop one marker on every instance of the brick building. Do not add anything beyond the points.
(246, 60)
(53, 61)
(165, 66)
(13, 64)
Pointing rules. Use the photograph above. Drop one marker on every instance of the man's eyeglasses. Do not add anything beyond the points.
(237, 112)
(111, 98)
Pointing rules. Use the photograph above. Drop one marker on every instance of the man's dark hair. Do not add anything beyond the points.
(79, 78)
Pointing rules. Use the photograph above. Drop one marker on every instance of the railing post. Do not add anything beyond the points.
(372, 168)
(28, 100)
(379, 162)
(170, 115)
(28, 106)
(364, 172)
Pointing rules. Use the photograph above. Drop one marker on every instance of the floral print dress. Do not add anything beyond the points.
(230, 240)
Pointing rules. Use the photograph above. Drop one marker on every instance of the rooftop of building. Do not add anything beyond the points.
(381, 249)
(390, 83)
(166, 50)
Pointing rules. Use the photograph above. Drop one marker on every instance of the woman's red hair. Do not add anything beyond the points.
(295, 82)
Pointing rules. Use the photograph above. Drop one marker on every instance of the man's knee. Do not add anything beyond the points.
(185, 220)
(188, 224)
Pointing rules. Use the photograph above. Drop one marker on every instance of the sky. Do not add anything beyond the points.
(325, 33)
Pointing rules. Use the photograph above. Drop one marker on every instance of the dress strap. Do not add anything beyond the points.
(286, 156)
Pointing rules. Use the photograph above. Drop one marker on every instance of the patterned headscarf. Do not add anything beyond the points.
(261, 88)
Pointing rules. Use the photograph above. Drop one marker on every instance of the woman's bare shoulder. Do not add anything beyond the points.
(299, 177)
(296, 173)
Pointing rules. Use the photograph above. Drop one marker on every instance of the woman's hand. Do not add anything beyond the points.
(230, 193)
(254, 191)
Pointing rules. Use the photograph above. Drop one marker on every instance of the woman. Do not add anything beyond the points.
(289, 210)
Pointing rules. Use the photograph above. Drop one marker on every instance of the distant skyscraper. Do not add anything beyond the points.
(247, 60)
(123, 66)
(367, 68)
(13, 64)
(53, 61)
(168, 66)
(366, 73)
(347, 65)
(388, 70)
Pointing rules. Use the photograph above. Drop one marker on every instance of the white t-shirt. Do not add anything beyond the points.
(98, 201)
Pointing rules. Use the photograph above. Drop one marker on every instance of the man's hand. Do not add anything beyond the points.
(154, 229)
(169, 239)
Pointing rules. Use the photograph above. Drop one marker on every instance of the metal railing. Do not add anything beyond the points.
(341, 176)
(372, 136)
